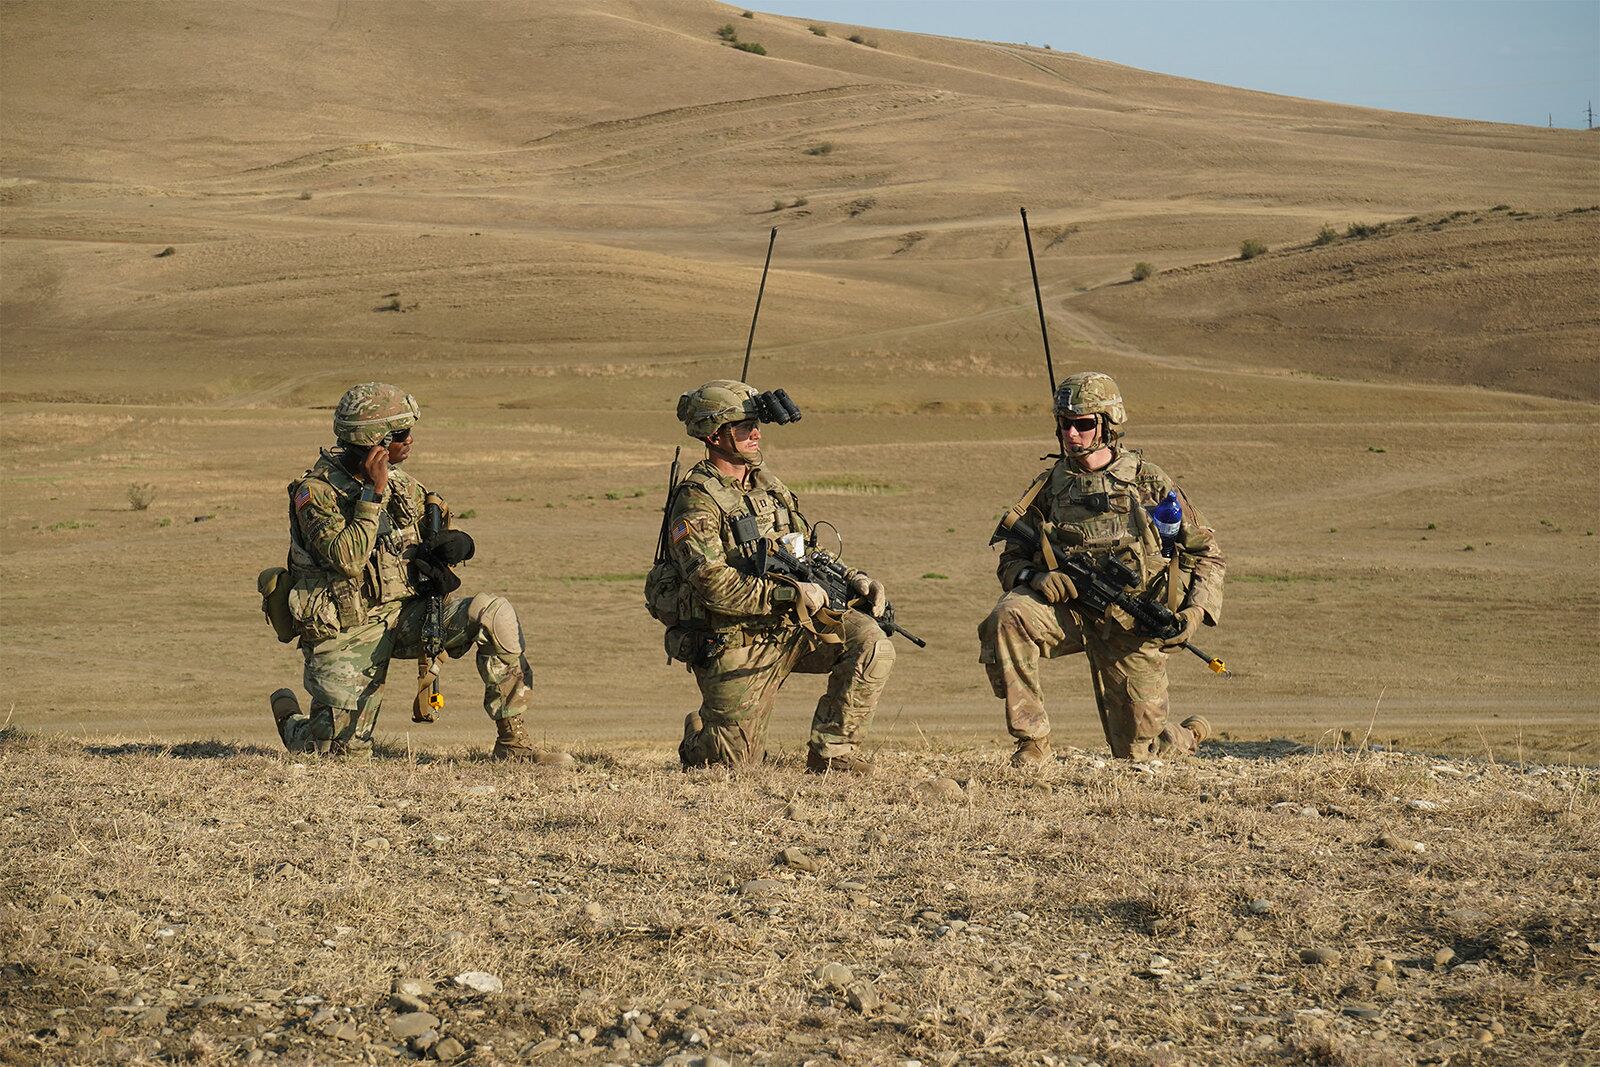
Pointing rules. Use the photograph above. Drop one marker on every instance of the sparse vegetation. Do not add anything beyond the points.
(750, 46)
(470, 513)
(1374, 448)
(612, 577)
(224, 919)
(847, 485)
(856, 38)
(935, 576)
(165, 252)
(1361, 230)
(1252, 248)
(305, 194)
(820, 31)
(1325, 236)
(727, 32)
(747, 14)
(70, 524)
(1141, 271)
(823, 149)
(140, 497)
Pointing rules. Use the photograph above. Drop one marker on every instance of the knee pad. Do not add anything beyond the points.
(498, 628)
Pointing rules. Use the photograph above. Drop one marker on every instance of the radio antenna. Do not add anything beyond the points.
(771, 240)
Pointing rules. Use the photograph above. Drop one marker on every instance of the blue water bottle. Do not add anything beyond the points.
(1168, 519)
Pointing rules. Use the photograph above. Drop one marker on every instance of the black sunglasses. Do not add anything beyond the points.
(398, 436)
(1086, 424)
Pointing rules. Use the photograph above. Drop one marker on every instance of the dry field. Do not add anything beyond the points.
(546, 220)
(1263, 904)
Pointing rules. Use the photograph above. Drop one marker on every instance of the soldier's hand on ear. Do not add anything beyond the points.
(1054, 586)
(813, 596)
(872, 591)
(1190, 620)
(376, 468)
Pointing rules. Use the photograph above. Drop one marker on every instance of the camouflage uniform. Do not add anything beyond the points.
(356, 607)
(741, 634)
(1098, 513)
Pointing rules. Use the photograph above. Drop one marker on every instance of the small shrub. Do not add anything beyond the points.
(778, 205)
(1325, 236)
(470, 513)
(1251, 249)
(747, 14)
(820, 31)
(870, 44)
(1361, 229)
(800, 201)
(935, 576)
(305, 194)
(1141, 271)
(856, 38)
(751, 47)
(140, 497)
(727, 32)
(820, 149)
(1501, 207)
(165, 252)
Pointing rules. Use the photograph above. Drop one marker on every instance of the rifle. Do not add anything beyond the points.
(822, 569)
(1103, 586)
(430, 697)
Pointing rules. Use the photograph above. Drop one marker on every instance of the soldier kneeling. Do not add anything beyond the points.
(355, 592)
(744, 633)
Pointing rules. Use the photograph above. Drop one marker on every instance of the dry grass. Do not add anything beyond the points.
(1095, 910)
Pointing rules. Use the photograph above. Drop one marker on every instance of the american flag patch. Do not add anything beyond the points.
(302, 497)
(680, 531)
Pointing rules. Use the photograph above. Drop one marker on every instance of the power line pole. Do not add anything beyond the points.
(1591, 114)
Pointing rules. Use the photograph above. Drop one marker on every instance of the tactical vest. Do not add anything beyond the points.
(775, 512)
(1102, 513)
(324, 601)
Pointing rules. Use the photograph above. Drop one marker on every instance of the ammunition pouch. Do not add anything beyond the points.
(273, 585)
(689, 645)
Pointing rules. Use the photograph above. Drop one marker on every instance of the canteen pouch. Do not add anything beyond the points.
(273, 585)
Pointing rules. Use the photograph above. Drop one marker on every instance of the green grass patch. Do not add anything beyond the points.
(470, 513)
(70, 524)
(935, 576)
(750, 46)
(1281, 579)
(619, 577)
(848, 485)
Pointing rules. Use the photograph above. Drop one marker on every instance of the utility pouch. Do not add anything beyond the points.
(688, 645)
(273, 585)
(746, 529)
(663, 594)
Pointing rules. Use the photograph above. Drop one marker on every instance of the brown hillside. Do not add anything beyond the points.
(565, 204)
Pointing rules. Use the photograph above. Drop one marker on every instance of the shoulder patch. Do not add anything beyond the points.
(680, 530)
(302, 497)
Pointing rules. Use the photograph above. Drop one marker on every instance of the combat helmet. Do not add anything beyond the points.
(370, 412)
(1092, 393)
(706, 410)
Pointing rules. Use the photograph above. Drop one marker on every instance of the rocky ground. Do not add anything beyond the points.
(1266, 903)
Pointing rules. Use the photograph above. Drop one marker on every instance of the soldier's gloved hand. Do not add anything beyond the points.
(1054, 586)
(813, 596)
(872, 591)
(1190, 618)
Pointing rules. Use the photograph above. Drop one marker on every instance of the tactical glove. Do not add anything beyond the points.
(1054, 586)
(1190, 620)
(812, 596)
(872, 591)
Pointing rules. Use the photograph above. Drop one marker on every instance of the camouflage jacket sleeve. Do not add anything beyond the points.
(694, 535)
(1201, 555)
(341, 546)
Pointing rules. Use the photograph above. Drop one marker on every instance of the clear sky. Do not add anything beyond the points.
(1498, 60)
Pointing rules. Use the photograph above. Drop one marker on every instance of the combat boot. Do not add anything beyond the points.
(1031, 752)
(688, 749)
(285, 706)
(817, 763)
(511, 740)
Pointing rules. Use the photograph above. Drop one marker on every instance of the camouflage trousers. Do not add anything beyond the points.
(345, 674)
(738, 687)
(1022, 629)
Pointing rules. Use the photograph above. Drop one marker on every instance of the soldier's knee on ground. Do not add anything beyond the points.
(726, 744)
